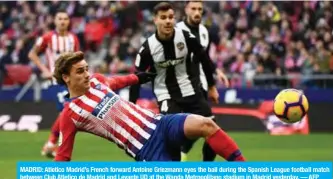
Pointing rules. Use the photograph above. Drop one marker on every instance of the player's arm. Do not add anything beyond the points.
(143, 63)
(119, 82)
(200, 53)
(221, 77)
(207, 65)
(40, 46)
(66, 138)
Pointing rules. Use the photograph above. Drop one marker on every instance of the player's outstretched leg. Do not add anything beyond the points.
(207, 151)
(50, 147)
(198, 126)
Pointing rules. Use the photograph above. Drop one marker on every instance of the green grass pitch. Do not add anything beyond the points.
(24, 146)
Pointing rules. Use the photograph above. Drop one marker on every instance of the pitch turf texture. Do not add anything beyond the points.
(24, 146)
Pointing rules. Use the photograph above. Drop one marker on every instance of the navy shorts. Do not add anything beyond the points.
(166, 140)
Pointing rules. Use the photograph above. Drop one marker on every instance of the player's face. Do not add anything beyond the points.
(193, 12)
(165, 21)
(61, 21)
(79, 76)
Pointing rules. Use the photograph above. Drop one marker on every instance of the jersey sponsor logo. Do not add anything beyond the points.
(110, 103)
(104, 105)
(170, 62)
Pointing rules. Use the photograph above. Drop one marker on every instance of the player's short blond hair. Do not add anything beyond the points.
(64, 64)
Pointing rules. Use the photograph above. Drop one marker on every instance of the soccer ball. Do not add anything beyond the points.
(291, 105)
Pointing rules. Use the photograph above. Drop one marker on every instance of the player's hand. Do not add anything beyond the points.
(145, 77)
(213, 94)
(221, 77)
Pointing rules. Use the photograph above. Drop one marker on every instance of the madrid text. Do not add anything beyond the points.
(31, 169)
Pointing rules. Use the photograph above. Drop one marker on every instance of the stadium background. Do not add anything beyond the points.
(262, 46)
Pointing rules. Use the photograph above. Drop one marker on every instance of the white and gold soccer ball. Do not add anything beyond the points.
(291, 105)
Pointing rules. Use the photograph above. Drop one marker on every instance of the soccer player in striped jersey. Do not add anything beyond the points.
(192, 23)
(176, 55)
(95, 108)
(52, 44)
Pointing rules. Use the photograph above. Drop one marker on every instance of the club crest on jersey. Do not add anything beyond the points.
(100, 87)
(180, 46)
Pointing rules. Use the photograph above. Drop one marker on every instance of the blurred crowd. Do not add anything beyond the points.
(249, 38)
(280, 38)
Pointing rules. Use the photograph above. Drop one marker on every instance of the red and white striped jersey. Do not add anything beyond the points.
(102, 112)
(53, 45)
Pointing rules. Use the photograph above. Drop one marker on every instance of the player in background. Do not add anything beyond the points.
(192, 23)
(175, 55)
(95, 108)
(52, 44)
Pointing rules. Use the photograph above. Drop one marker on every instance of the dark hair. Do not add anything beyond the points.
(64, 64)
(162, 6)
(61, 11)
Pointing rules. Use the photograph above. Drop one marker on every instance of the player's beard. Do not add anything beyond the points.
(195, 21)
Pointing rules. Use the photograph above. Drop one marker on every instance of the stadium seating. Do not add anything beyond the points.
(17, 74)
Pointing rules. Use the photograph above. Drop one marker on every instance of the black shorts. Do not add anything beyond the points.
(195, 104)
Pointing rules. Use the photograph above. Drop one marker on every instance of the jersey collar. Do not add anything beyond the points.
(191, 27)
(67, 99)
(169, 40)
